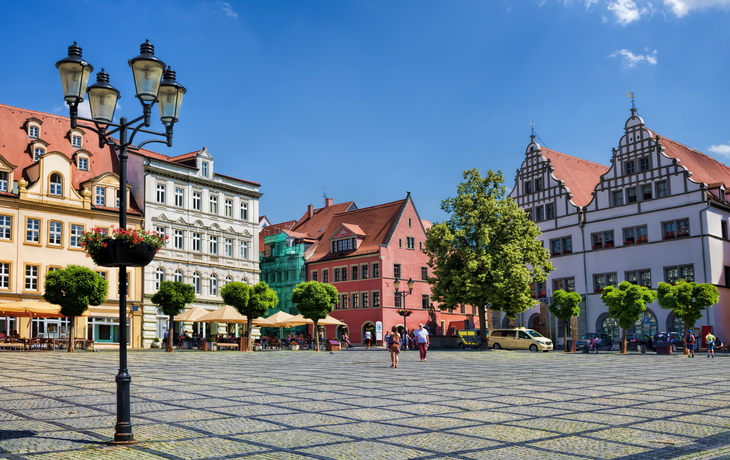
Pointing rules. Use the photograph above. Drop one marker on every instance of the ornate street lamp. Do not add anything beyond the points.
(153, 84)
(404, 312)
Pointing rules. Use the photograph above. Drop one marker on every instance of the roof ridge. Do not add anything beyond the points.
(577, 158)
(349, 213)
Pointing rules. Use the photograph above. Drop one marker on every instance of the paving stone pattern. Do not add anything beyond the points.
(351, 405)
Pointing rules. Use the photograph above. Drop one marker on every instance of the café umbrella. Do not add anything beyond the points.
(228, 314)
(192, 315)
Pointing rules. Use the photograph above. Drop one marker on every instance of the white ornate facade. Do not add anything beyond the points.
(212, 222)
(658, 213)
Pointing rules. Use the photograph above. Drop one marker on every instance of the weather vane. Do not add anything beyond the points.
(532, 125)
(632, 95)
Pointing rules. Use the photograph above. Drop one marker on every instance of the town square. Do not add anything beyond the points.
(351, 405)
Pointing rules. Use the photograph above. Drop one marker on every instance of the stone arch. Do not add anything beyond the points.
(367, 325)
(605, 324)
(534, 321)
(674, 324)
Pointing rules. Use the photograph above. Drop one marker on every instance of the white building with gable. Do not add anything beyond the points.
(212, 221)
(658, 213)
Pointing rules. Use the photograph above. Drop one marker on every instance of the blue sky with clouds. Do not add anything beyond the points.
(365, 100)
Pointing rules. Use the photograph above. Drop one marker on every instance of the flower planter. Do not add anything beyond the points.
(118, 253)
(567, 252)
(134, 256)
(295, 346)
(106, 256)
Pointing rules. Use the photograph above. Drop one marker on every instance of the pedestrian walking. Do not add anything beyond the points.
(394, 347)
(710, 340)
(690, 340)
(422, 341)
(368, 338)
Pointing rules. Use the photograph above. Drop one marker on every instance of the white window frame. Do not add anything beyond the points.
(75, 234)
(161, 190)
(179, 197)
(55, 233)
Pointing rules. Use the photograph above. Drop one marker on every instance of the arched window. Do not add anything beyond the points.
(646, 324)
(229, 279)
(159, 277)
(56, 186)
(196, 282)
(675, 324)
(213, 285)
(178, 275)
(607, 325)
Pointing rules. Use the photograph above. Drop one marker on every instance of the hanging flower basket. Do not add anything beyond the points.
(405, 313)
(130, 248)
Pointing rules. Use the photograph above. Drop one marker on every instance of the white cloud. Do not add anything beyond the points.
(227, 9)
(631, 60)
(682, 8)
(626, 11)
(590, 3)
(722, 149)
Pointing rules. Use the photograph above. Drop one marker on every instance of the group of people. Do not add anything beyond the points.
(393, 339)
(711, 341)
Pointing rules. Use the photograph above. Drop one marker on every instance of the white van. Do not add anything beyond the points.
(519, 339)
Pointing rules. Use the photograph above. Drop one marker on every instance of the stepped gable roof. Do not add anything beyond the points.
(314, 226)
(14, 142)
(703, 167)
(376, 222)
(580, 176)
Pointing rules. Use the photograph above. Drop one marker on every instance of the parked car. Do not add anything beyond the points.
(675, 339)
(604, 341)
(634, 341)
(519, 339)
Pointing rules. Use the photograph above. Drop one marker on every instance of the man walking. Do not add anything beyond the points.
(368, 339)
(710, 339)
(422, 341)
(690, 339)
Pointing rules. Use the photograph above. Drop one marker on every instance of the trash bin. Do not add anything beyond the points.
(643, 347)
(663, 348)
(332, 345)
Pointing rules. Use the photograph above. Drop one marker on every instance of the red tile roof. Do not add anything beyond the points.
(14, 143)
(376, 222)
(315, 225)
(580, 176)
(703, 167)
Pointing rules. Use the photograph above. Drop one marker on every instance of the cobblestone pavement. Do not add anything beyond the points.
(351, 405)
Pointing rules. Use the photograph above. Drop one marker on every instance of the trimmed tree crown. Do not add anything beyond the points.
(74, 288)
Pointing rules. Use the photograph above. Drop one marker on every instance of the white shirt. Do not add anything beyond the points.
(421, 335)
(368, 335)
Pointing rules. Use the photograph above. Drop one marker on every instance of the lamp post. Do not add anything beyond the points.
(405, 313)
(154, 84)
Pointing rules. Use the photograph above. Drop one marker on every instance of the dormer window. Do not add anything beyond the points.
(204, 168)
(76, 141)
(56, 185)
(38, 152)
(34, 132)
(346, 244)
(83, 164)
(100, 196)
(4, 181)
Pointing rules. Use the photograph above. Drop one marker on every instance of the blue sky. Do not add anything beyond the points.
(365, 100)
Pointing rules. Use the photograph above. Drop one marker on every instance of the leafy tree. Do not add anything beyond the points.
(487, 253)
(687, 300)
(74, 288)
(314, 300)
(565, 306)
(172, 298)
(625, 304)
(250, 301)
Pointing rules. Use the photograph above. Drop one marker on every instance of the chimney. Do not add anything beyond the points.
(328, 202)
(310, 211)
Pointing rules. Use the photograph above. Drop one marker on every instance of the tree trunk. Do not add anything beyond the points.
(483, 326)
(623, 341)
(168, 345)
(316, 335)
(565, 338)
(249, 336)
(71, 339)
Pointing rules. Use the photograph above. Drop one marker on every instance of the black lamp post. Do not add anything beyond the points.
(153, 84)
(405, 313)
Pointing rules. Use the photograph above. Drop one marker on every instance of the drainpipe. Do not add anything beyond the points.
(702, 243)
(581, 224)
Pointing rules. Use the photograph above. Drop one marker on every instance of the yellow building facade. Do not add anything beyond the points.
(55, 183)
